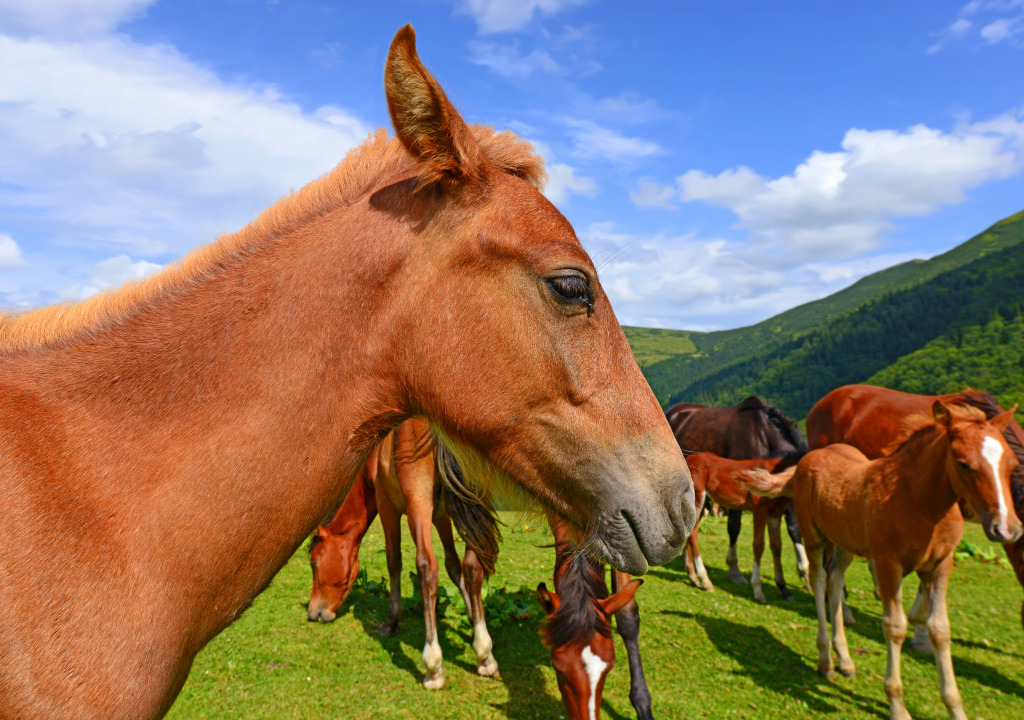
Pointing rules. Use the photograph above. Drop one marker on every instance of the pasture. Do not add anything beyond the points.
(706, 655)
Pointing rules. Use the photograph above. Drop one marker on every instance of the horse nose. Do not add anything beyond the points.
(320, 614)
(685, 517)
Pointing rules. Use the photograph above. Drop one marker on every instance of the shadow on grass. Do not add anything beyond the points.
(518, 650)
(773, 666)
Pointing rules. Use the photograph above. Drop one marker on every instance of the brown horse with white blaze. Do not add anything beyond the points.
(404, 476)
(578, 629)
(229, 401)
(901, 510)
(870, 418)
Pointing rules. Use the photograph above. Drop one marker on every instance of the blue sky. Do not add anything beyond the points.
(722, 161)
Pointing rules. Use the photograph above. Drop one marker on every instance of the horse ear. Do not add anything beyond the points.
(429, 127)
(321, 532)
(622, 598)
(1002, 420)
(548, 600)
(941, 413)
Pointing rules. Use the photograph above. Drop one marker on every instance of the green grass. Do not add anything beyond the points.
(651, 345)
(707, 655)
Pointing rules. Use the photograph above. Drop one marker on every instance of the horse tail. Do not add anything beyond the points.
(471, 513)
(766, 484)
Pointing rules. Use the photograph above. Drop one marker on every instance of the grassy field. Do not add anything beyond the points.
(707, 655)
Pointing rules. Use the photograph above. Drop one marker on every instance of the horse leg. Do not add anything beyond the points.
(938, 631)
(426, 572)
(798, 545)
(894, 627)
(391, 521)
(775, 544)
(699, 576)
(627, 620)
(755, 573)
(819, 581)
(452, 563)
(487, 666)
(836, 585)
(919, 618)
(735, 524)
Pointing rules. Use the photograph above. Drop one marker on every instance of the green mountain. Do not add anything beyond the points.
(797, 356)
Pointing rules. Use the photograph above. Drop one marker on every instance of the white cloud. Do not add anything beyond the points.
(593, 140)
(563, 179)
(10, 253)
(121, 145)
(66, 18)
(995, 20)
(494, 16)
(507, 60)
(838, 205)
(112, 272)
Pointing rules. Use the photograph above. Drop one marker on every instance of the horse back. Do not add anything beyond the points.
(831, 488)
(869, 418)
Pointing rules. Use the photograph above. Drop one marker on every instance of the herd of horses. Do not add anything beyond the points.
(934, 462)
(230, 400)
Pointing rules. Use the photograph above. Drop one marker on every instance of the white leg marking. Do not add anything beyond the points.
(595, 667)
(755, 580)
(992, 450)
(702, 573)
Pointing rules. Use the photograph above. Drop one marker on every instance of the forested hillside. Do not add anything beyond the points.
(797, 356)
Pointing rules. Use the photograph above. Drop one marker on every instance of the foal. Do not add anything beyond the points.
(404, 476)
(711, 476)
(900, 510)
(578, 630)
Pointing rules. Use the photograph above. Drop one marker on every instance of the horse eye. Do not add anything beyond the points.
(963, 465)
(571, 287)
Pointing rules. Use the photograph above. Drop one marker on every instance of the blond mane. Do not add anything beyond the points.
(913, 425)
(364, 169)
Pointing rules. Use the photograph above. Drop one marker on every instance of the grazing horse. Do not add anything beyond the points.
(404, 476)
(901, 510)
(231, 398)
(751, 430)
(869, 418)
(711, 477)
(578, 629)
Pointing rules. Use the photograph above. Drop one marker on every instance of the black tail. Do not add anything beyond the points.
(471, 512)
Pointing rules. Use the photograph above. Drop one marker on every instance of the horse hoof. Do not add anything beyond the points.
(849, 672)
(708, 587)
(788, 596)
(389, 630)
(434, 682)
(760, 598)
(827, 674)
(488, 668)
(737, 577)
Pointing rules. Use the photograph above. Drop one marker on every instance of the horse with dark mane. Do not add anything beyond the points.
(578, 629)
(231, 398)
(750, 430)
(406, 475)
(870, 418)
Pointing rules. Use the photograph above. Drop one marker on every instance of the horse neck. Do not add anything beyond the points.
(920, 470)
(357, 512)
(226, 417)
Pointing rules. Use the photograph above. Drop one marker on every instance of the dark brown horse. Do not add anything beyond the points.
(712, 478)
(231, 399)
(751, 430)
(870, 418)
(578, 629)
(405, 476)
(902, 511)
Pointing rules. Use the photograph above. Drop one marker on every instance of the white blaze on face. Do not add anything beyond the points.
(992, 450)
(595, 668)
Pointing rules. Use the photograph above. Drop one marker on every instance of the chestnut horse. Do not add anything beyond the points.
(901, 510)
(869, 417)
(230, 399)
(404, 476)
(711, 477)
(578, 629)
(750, 430)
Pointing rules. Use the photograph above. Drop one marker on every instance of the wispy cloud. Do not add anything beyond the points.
(839, 205)
(112, 272)
(592, 140)
(66, 18)
(508, 60)
(495, 16)
(994, 21)
(10, 253)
